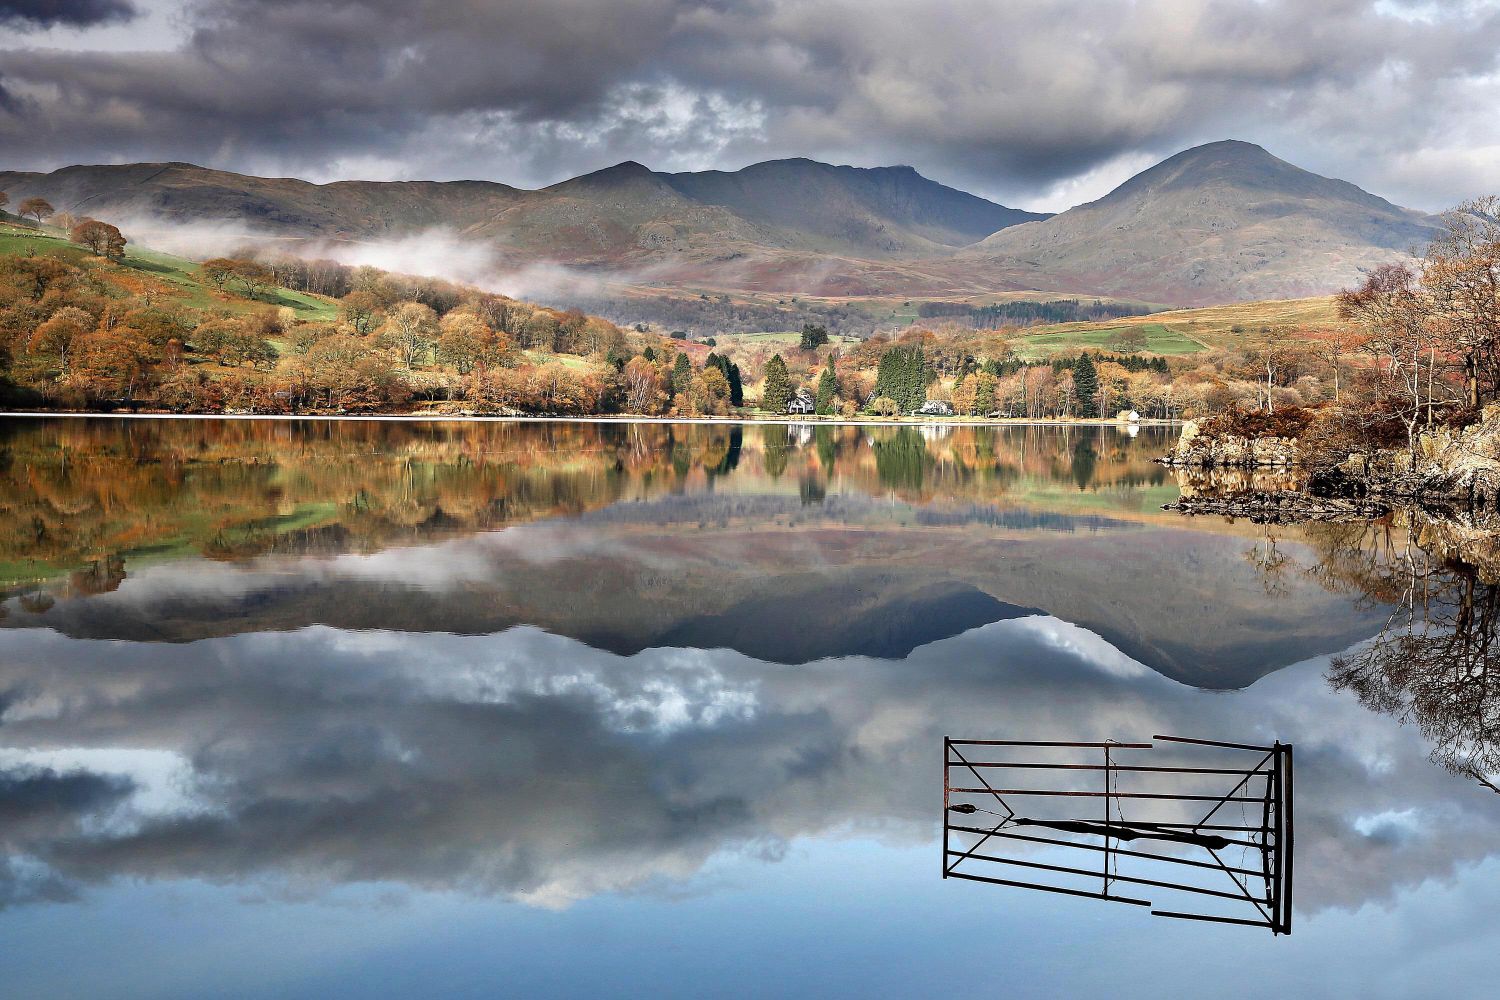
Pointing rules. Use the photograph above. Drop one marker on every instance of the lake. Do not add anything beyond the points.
(336, 709)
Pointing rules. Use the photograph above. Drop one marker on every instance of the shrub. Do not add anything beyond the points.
(1287, 422)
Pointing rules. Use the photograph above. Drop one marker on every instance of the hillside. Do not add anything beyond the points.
(892, 209)
(1222, 222)
(182, 193)
(624, 213)
(165, 276)
(1178, 332)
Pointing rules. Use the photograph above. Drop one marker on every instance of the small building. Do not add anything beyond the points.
(1128, 417)
(935, 408)
(802, 403)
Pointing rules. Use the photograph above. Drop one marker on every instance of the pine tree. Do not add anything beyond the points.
(828, 389)
(778, 391)
(682, 374)
(731, 372)
(903, 376)
(736, 386)
(1086, 386)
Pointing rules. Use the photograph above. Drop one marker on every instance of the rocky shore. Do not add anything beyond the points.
(1196, 449)
(1280, 507)
(1452, 470)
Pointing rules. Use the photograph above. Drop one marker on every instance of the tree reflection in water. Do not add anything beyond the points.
(1435, 663)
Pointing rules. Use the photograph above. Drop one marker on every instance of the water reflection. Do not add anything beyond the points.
(555, 663)
(1435, 661)
(786, 543)
(79, 490)
(483, 764)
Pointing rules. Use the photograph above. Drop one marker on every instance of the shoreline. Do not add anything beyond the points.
(596, 419)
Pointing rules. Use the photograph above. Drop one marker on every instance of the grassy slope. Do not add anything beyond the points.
(180, 278)
(1185, 331)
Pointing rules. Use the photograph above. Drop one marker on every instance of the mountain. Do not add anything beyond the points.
(617, 215)
(280, 206)
(1222, 222)
(894, 209)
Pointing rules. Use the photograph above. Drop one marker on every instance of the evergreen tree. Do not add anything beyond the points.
(649, 354)
(736, 386)
(778, 391)
(903, 376)
(828, 389)
(1086, 386)
(813, 337)
(682, 373)
(731, 373)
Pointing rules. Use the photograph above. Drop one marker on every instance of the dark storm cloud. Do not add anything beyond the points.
(40, 796)
(1004, 97)
(72, 13)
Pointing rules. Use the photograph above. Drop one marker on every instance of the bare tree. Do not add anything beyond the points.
(1461, 278)
(1402, 337)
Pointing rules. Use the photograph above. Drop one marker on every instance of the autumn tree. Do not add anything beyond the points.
(1460, 277)
(219, 271)
(232, 343)
(49, 351)
(111, 364)
(1401, 336)
(644, 392)
(541, 330)
(1331, 347)
(466, 342)
(975, 395)
(342, 373)
(708, 392)
(358, 311)
(304, 336)
(102, 239)
(253, 276)
(409, 329)
(36, 208)
(1273, 364)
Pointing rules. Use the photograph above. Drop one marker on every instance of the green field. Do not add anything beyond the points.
(566, 360)
(1070, 337)
(180, 275)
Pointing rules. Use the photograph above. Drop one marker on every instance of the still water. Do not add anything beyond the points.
(299, 709)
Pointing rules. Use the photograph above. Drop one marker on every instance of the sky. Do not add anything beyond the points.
(1038, 104)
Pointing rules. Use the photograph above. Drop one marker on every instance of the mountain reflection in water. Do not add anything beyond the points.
(561, 664)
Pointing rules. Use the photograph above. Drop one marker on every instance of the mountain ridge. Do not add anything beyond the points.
(1218, 222)
(1223, 221)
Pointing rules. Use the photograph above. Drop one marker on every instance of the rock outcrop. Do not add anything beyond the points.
(1198, 450)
